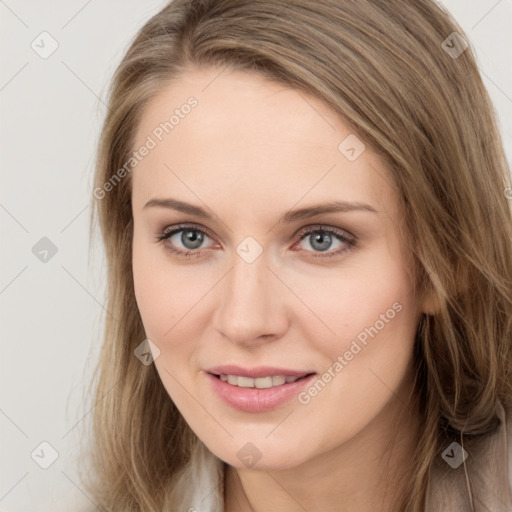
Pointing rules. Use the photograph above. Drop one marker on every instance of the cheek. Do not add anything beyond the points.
(370, 300)
(170, 299)
(162, 300)
(165, 298)
(160, 293)
(375, 316)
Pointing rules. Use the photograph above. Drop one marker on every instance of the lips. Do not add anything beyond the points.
(257, 398)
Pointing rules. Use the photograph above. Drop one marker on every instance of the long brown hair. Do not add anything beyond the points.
(399, 76)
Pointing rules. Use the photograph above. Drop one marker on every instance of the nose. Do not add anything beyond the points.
(251, 308)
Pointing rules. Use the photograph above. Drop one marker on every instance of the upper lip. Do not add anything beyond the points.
(260, 371)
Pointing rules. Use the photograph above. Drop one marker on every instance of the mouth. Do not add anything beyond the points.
(261, 377)
(257, 390)
(269, 381)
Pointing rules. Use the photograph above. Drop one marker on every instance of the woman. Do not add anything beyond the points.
(309, 244)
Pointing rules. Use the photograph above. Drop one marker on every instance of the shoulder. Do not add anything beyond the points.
(488, 471)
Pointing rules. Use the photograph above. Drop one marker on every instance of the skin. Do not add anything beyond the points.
(249, 152)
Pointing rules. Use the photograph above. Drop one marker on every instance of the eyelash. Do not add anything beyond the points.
(350, 241)
(305, 232)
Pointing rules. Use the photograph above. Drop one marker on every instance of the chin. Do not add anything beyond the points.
(253, 456)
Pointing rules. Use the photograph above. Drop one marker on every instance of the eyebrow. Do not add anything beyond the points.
(288, 217)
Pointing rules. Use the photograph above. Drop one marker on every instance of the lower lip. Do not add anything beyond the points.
(254, 399)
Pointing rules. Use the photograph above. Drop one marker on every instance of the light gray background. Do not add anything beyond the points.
(52, 313)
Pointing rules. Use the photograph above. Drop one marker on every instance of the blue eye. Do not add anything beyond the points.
(321, 238)
(192, 238)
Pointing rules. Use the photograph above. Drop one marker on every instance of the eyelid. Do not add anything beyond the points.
(341, 234)
(181, 227)
(303, 230)
(170, 231)
(326, 228)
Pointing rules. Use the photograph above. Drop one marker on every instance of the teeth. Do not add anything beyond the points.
(278, 380)
(260, 382)
(245, 382)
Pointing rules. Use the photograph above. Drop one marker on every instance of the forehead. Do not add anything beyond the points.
(250, 137)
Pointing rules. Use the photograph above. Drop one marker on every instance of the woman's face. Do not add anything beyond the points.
(249, 166)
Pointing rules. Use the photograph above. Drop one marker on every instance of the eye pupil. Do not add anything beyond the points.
(192, 236)
(322, 237)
